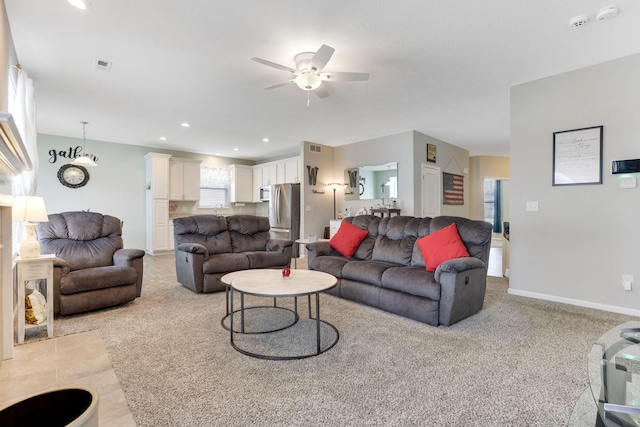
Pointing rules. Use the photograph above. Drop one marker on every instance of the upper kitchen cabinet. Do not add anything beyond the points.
(269, 174)
(291, 170)
(184, 179)
(257, 183)
(241, 188)
(157, 175)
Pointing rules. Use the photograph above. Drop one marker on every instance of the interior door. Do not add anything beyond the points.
(431, 191)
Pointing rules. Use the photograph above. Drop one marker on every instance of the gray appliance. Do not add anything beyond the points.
(284, 212)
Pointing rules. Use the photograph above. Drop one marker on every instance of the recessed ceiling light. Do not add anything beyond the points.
(163, 138)
(217, 154)
(185, 125)
(579, 21)
(80, 4)
(265, 139)
(236, 149)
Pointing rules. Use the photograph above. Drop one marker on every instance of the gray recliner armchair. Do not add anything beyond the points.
(91, 268)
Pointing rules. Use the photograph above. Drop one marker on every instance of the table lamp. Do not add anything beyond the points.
(29, 209)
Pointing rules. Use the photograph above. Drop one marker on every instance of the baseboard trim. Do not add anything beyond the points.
(571, 301)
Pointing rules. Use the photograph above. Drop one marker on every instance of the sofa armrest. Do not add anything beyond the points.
(317, 249)
(463, 282)
(131, 258)
(457, 265)
(190, 259)
(60, 269)
(279, 245)
(193, 248)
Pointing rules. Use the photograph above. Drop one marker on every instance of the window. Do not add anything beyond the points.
(214, 187)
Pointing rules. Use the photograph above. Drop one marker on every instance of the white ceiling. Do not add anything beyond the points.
(442, 68)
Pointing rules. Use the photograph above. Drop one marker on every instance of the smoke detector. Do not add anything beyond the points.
(606, 12)
(579, 21)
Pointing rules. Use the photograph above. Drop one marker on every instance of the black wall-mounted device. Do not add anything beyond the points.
(625, 166)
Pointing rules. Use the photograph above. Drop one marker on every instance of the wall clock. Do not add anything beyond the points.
(73, 176)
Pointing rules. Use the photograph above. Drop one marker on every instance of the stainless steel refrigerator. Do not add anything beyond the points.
(284, 212)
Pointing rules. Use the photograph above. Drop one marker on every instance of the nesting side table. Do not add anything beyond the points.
(33, 269)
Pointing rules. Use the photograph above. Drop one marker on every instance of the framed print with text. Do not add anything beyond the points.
(431, 153)
(577, 156)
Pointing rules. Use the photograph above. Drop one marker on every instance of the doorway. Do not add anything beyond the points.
(431, 191)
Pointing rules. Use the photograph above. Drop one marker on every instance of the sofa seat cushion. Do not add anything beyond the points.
(329, 264)
(369, 272)
(91, 279)
(264, 259)
(411, 280)
(223, 263)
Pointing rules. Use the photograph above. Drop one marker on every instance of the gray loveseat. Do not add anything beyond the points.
(388, 270)
(208, 246)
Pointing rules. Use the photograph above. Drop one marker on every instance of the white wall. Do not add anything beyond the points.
(116, 186)
(583, 238)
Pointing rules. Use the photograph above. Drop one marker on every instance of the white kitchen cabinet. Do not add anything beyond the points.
(184, 179)
(241, 187)
(291, 170)
(257, 183)
(280, 177)
(157, 175)
(157, 203)
(171, 239)
(269, 174)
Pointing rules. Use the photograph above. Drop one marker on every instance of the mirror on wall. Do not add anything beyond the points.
(371, 182)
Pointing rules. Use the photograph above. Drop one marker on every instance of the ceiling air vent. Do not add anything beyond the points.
(102, 65)
(315, 148)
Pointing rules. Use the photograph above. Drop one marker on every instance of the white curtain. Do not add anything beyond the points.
(24, 114)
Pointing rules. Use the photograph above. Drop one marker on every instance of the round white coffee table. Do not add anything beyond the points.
(270, 283)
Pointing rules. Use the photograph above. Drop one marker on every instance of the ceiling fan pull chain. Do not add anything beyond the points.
(308, 97)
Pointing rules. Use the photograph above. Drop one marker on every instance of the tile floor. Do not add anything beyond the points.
(73, 360)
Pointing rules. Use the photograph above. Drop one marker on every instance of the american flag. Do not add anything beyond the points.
(452, 189)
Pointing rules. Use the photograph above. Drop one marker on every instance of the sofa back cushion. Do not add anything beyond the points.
(210, 231)
(248, 232)
(476, 236)
(83, 239)
(396, 238)
(369, 223)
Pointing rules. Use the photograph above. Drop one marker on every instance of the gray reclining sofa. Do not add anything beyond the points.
(388, 270)
(208, 246)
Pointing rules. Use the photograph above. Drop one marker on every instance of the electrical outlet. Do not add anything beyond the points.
(307, 208)
(627, 281)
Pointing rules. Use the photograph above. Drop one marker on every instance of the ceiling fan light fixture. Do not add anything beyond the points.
(308, 80)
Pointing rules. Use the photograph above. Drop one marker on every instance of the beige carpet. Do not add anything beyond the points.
(518, 362)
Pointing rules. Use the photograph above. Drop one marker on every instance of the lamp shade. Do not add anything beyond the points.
(30, 209)
(83, 160)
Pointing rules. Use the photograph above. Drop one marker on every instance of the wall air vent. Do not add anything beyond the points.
(102, 64)
(315, 148)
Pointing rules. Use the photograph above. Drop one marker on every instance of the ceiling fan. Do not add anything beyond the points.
(308, 73)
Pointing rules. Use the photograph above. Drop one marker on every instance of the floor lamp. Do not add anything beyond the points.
(334, 186)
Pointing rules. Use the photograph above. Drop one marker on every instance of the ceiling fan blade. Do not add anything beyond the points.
(344, 76)
(274, 65)
(321, 57)
(288, 82)
(321, 91)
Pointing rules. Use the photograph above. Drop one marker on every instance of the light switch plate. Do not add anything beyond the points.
(532, 206)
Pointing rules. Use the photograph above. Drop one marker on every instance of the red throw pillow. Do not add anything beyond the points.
(441, 246)
(347, 239)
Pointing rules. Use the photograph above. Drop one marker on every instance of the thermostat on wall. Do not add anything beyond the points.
(625, 166)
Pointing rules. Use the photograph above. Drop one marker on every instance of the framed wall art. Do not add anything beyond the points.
(431, 153)
(577, 156)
